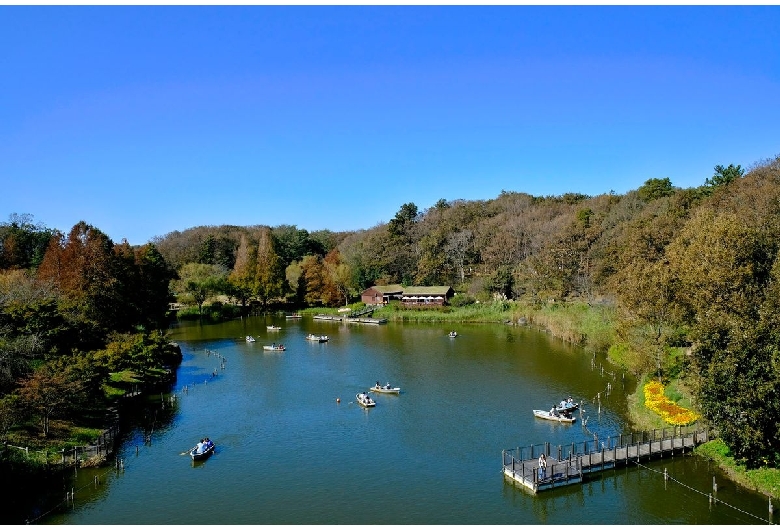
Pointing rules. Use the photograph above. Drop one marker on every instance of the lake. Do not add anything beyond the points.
(293, 447)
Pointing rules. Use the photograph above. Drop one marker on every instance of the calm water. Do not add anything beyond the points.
(289, 453)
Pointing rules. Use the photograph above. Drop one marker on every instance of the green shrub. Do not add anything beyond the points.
(462, 300)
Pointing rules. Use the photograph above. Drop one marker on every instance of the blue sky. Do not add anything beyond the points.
(142, 120)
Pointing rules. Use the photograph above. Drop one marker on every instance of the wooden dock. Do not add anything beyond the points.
(352, 319)
(361, 320)
(328, 317)
(570, 463)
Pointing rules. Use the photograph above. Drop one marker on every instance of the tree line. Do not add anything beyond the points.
(692, 270)
(75, 309)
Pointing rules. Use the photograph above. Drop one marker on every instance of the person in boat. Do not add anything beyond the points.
(554, 411)
(199, 447)
(570, 401)
(208, 444)
(377, 384)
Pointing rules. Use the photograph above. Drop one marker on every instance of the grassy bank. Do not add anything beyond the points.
(766, 480)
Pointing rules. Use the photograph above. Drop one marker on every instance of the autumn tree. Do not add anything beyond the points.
(269, 275)
(313, 277)
(49, 392)
(242, 277)
(338, 279)
(85, 271)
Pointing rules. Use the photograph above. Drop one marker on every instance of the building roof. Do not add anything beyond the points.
(388, 289)
(434, 290)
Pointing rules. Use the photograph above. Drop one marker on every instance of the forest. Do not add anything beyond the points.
(690, 277)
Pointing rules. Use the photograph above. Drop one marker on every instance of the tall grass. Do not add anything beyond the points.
(589, 326)
(592, 327)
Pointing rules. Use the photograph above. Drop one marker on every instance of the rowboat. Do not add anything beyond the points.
(250, 338)
(274, 347)
(294, 315)
(204, 455)
(453, 334)
(561, 418)
(386, 389)
(273, 328)
(317, 338)
(364, 400)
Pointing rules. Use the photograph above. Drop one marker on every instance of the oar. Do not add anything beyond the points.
(187, 452)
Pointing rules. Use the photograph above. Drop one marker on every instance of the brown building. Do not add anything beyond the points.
(436, 295)
(381, 294)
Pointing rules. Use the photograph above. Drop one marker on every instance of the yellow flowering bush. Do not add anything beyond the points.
(669, 411)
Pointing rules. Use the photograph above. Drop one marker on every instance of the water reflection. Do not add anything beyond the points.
(290, 453)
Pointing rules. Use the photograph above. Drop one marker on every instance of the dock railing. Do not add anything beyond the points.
(567, 462)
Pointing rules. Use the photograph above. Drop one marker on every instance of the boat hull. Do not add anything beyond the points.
(545, 415)
(204, 455)
(382, 390)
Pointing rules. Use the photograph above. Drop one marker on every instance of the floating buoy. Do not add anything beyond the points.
(338, 400)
